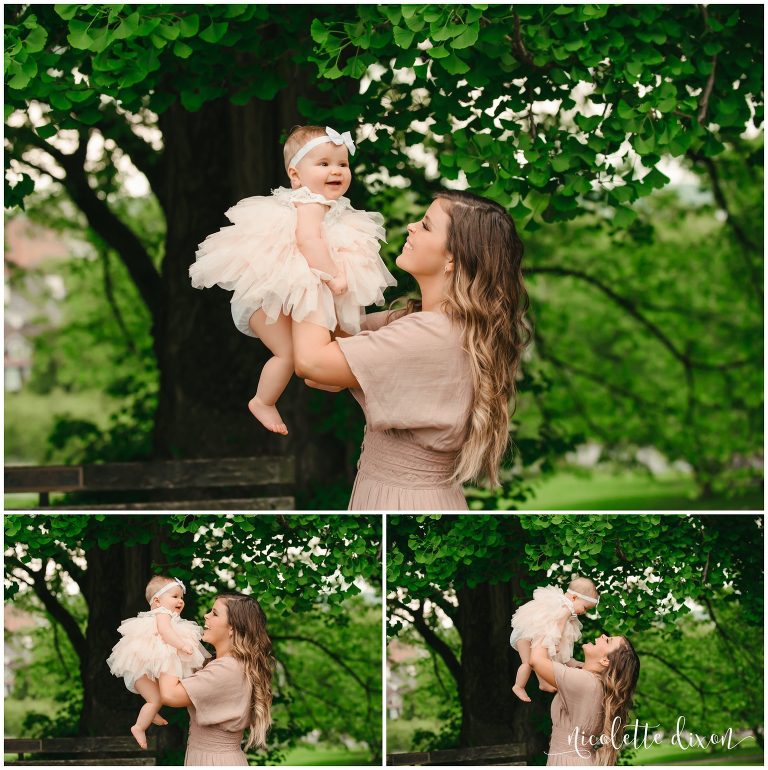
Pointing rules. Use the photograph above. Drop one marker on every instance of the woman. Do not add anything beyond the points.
(233, 691)
(435, 379)
(590, 710)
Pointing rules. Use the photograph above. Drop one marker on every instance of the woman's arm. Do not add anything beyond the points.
(317, 357)
(540, 661)
(169, 636)
(172, 692)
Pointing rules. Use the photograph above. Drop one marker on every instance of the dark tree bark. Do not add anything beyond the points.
(491, 714)
(114, 590)
(208, 370)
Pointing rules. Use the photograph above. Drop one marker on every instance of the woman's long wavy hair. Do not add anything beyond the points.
(619, 682)
(487, 297)
(252, 646)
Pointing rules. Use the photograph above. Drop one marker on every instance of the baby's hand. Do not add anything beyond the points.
(186, 649)
(338, 284)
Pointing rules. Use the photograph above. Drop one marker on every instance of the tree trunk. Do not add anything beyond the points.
(491, 714)
(114, 590)
(209, 370)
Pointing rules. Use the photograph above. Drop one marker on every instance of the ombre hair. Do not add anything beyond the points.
(487, 297)
(252, 646)
(619, 681)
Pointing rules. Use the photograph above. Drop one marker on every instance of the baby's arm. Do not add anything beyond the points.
(309, 239)
(169, 636)
(573, 663)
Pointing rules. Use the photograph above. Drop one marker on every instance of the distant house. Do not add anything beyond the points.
(32, 295)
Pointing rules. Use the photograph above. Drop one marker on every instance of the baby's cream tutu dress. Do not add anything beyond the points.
(257, 258)
(536, 622)
(142, 651)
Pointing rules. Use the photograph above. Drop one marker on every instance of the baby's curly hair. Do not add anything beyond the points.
(154, 585)
(298, 136)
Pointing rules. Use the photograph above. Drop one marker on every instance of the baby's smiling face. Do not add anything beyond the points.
(172, 600)
(324, 170)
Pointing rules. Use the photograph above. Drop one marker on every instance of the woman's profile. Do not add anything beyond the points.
(435, 380)
(232, 692)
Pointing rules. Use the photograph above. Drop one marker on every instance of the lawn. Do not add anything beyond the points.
(746, 753)
(322, 754)
(29, 419)
(630, 490)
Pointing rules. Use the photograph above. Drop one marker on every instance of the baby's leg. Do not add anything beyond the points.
(524, 672)
(277, 371)
(150, 691)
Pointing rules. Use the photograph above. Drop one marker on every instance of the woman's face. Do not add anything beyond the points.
(602, 646)
(217, 628)
(424, 253)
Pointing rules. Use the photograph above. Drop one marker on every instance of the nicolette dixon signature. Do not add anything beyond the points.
(644, 735)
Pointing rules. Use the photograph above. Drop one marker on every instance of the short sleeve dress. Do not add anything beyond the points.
(221, 700)
(577, 717)
(416, 393)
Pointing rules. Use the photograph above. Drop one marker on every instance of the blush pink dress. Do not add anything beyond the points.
(221, 701)
(578, 704)
(417, 395)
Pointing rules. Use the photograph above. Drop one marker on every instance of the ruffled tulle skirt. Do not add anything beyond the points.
(535, 622)
(258, 260)
(142, 651)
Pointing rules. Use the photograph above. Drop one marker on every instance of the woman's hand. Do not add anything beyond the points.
(320, 386)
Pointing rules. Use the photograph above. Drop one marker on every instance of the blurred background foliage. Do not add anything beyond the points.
(643, 385)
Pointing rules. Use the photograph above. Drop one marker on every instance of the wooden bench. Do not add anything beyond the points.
(507, 754)
(161, 484)
(111, 750)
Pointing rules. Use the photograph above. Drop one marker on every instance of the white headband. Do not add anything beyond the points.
(583, 596)
(331, 136)
(167, 587)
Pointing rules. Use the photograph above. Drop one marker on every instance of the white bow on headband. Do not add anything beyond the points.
(339, 139)
(167, 587)
(330, 136)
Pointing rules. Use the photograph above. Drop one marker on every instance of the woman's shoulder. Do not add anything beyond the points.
(427, 324)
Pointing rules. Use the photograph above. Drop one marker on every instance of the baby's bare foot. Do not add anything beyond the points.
(521, 693)
(338, 284)
(547, 687)
(140, 736)
(267, 415)
(158, 720)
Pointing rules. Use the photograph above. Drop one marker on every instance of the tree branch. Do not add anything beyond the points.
(332, 655)
(704, 101)
(147, 160)
(631, 308)
(741, 236)
(52, 605)
(433, 640)
(99, 216)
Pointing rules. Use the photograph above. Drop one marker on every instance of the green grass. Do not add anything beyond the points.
(14, 711)
(29, 419)
(630, 490)
(323, 754)
(400, 733)
(746, 753)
